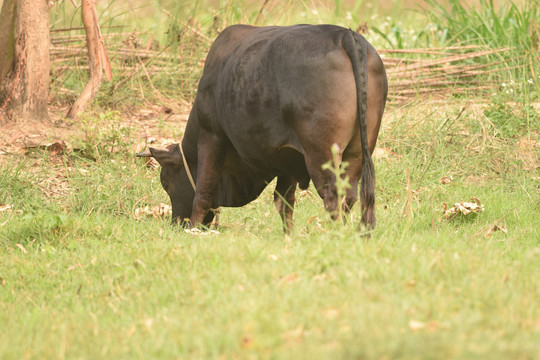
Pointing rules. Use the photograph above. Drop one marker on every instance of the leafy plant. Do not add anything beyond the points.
(342, 183)
(104, 133)
(512, 109)
(490, 24)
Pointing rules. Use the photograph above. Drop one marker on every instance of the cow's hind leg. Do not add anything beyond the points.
(352, 172)
(210, 162)
(284, 198)
(324, 181)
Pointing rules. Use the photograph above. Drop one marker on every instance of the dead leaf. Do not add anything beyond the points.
(496, 227)
(131, 331)
(476, 179)
(55, 148)
(165, 110)
(74, 266)
(146, 113)
(384, 153)
(321, 277)
(311, 218)
(5, 207)
(433, 326)
(247, 342)
(446, 180)
(463, 208)
(21, 247)
(415, 325)
(148, 323)
(161, 210)
(381, 153)
(305, 193)
(196, 231)
(289, 278)
(331, 313)
(294, 333)
(139, 263)
(151, 162)
(58, 147)
(157, 211)
(491, 228)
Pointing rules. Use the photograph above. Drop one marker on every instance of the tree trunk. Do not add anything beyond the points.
(25, 66)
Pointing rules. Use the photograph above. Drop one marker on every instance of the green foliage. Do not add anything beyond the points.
(393, 34)
(43, 226)
(511, 120)
(337, 169)
(512, 110)
(494, 25)
(104, 134)
(14, 183)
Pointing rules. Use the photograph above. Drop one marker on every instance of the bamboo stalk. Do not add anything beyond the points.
(421, 50)
(120, 52)
(446, 90)
(82, 28)
(454, 58)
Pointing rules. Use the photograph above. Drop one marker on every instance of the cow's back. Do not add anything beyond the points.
(274, 83)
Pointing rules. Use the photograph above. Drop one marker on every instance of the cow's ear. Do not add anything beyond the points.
(168, 157)
(144, 153)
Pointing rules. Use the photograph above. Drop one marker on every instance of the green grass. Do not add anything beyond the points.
(81, 278)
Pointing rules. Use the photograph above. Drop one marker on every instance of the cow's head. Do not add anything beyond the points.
(174, 180)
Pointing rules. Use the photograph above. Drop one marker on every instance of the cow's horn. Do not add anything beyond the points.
(145, 153)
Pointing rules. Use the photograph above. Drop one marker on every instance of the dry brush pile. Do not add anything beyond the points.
(437, 72)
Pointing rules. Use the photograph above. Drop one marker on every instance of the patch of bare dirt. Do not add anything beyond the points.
(156, 123)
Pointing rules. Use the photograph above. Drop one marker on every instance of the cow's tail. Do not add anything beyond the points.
(356, 47)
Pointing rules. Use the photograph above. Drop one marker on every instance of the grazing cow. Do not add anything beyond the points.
(271, 102)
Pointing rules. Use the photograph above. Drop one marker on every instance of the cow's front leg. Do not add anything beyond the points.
(284, 198)
(210, 160)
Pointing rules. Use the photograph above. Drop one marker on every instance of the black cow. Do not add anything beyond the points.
(272, 101)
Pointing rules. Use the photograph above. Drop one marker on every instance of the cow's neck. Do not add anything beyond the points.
(191, 138)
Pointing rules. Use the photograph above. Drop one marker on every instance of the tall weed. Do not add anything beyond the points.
(502, 25)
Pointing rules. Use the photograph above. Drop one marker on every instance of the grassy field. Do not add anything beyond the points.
(83, 277)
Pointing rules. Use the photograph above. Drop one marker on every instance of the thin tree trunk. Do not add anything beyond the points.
(97, 59)
(25, 66)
